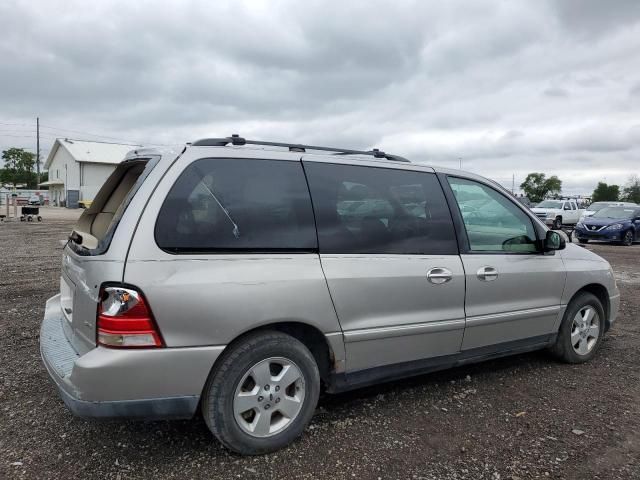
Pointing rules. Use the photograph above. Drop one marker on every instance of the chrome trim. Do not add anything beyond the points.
(439, 275)
(480, 320)
(365, 334)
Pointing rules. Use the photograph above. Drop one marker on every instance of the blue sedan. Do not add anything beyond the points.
(613, 224)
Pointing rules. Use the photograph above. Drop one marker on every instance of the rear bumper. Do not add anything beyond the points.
(142, 383)
(155, 408)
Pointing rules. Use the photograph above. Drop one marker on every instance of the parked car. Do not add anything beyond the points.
(612, 224)
(242, 280)
(558, 213)
(596, 206)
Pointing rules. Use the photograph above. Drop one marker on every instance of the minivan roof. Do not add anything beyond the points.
(293, 151)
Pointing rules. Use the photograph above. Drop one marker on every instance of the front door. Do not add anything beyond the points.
(389, 254)
(513, 289)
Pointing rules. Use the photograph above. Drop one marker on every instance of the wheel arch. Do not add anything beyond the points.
(310, 336)
(602, 294)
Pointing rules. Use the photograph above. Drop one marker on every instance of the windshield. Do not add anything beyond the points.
(614, 212)
(596, 207)
(550, 204)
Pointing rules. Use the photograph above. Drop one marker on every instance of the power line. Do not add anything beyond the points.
(17, 124)
(52, 134)
(86, 133)
(14, 130)
(58, 129)
(120, 139)
(25, 136)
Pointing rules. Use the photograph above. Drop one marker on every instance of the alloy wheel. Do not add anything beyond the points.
(269, 397)
(585, 330)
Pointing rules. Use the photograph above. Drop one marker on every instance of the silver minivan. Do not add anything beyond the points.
(242, 278)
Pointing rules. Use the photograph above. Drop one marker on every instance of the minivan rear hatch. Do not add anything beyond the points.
(93, 232)
(87, 260)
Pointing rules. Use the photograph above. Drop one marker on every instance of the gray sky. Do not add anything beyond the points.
(508, 86)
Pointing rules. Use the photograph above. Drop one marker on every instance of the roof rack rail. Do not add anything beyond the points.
(235, 139)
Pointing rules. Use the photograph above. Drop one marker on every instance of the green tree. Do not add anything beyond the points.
(631, 191)
(605, 193)
(537, 186)
(18, 167)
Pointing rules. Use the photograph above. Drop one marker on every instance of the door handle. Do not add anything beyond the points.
(487, 274)
(439, 275)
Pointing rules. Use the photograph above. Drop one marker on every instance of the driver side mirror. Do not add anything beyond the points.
(554, 241)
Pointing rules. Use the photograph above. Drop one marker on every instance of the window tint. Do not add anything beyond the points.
(237, 204)
(493, 222)
(379, 210)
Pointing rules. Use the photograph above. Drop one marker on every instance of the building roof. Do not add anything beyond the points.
(91, 152)
(53, 182)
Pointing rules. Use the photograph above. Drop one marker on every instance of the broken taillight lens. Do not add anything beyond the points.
(125, 320)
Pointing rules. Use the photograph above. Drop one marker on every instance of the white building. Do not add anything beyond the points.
(78, 168)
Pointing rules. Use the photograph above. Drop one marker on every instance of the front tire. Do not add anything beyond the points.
(581, 331)
(627, 238)
(557, 223)
(262, 394)
(583, 241)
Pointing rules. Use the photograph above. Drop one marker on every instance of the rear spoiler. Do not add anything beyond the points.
(141, 152)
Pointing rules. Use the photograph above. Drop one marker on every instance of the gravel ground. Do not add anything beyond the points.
(519, 417)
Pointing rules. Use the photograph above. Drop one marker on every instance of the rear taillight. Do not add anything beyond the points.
(125, 320)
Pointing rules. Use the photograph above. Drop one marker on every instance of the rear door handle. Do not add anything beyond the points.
(487, 274)
(439, 275)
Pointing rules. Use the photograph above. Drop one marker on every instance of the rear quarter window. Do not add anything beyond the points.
(227, 205)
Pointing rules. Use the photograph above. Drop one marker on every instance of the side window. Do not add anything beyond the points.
(379, 210)
(492, 221)
(237, 204)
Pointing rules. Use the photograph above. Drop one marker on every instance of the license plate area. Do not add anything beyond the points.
(66, 298)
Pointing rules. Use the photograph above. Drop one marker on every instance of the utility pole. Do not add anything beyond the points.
(38, 150)
(460, 159)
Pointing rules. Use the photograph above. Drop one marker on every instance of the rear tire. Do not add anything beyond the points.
(250, 405)
(581, 331)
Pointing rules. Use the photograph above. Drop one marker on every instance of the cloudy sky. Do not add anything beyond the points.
(508, 87)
